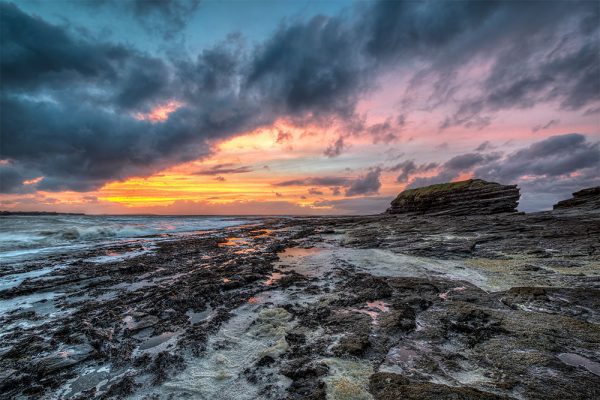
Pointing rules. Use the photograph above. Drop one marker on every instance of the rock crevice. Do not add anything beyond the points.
(473, 196)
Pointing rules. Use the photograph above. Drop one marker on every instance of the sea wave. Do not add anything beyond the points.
(26, 237)
(98, 232)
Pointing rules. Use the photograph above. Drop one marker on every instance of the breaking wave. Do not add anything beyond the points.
(23, 237)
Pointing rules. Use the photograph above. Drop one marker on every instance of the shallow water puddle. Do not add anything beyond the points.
(401, 355)
(14, 280)
(317, 261)
(373, 310)
(261, 233)
(575, 360)
(242, 243)
(257, 329)
(87, 379)
(402, 359)
(274, 277)
(233, 241)
(312, 262)
(251, 334)
(196, 317)
(159, 340)
(41, 303)
(114, 256)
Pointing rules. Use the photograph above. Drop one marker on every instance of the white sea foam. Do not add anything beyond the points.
(29, 237)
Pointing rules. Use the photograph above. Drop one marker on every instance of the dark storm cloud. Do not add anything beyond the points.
(81, 133)
(223, 169)
(399, 28)
(454, 167)
(409, 167)
(165, 17)
(69, 102)
(38, 58)
(551, 157)
(79, 147)
(368, 184)
(315, 192)
(35, 53)
(548, 53)
(311, 67)
(546, 171)
(11, 179)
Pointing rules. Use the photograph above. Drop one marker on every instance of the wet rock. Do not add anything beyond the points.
(121, 389)
(141, 323)
(351, 345)
(388, 386)
(291, 278)
(265, 361)
(473, 324)
(366, 287)
(402, 320)
(538, 340)
(473, 196)
(344, 321)
(65, 358)
(306, 379)
(164, 364)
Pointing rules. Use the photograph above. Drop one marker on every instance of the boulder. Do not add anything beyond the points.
(470, 197)
(588, 199)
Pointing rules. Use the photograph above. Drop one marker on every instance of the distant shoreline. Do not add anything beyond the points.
(36, 213)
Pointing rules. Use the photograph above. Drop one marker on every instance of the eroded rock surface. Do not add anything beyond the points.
(586, 199)
(470, 197)
(502, 306)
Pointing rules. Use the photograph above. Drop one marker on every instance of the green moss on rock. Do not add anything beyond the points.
(441, 188)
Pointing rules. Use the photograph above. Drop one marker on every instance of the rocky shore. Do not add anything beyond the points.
(500, 306)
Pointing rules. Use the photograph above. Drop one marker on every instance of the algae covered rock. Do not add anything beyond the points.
(473, 196)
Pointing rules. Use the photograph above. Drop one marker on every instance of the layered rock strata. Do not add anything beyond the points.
(588, 199)
(473, 196)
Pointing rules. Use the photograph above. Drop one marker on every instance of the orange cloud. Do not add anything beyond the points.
(33, 181)
(160, 113)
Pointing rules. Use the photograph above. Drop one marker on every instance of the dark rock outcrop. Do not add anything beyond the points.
(473, 196)
(588, 199)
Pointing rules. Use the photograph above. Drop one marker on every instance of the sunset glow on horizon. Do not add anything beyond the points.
(319, 114)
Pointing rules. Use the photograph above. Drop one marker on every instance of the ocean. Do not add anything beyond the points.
(24, 238)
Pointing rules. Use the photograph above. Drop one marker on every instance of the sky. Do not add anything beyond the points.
(292, 107)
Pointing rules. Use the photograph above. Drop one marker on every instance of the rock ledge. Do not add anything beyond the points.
(586, 199)
(473, 196)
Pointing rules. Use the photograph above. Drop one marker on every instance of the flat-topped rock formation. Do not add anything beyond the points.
(588, 199)
(470, 197)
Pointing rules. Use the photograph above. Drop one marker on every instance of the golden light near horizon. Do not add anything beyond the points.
(284, 111)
